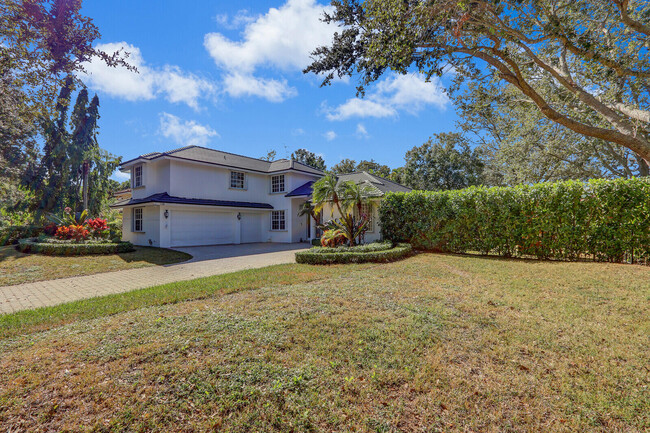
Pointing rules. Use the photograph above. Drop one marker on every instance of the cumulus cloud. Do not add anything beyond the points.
(282, 39)
(237, 85)
(170, 82)
(185, 133)
(410, 93)
(329, 135)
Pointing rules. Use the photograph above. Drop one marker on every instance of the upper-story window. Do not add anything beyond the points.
(137, 176)
(237, 179)
(277, 183)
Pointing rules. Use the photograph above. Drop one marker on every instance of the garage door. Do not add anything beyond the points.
(191, 228)
(251, 227)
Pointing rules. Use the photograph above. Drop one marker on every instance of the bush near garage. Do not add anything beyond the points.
(605, 220)
(357, 254)
(52, 247)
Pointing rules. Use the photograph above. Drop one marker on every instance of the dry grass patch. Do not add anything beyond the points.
(17, 267)
(433, 343)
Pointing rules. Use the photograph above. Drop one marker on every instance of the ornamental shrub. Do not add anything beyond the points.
(61, 248)
(98, 227)
(606, 220)
(76, 232)
(316, 256)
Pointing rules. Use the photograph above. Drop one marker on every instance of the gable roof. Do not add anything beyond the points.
(381, 185)
(218, 157)
(377, 182)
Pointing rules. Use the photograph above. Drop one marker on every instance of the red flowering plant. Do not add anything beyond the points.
(72, 232)
(98, 227)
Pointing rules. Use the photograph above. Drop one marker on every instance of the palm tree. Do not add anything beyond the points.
(308, 209)
(355, 194)
(344, 196)
(326, 190)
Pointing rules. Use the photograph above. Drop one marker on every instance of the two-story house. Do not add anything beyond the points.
(198, 196)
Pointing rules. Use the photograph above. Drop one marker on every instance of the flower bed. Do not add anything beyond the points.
(379, 252)
(54, 247)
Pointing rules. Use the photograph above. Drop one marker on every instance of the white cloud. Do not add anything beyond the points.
(148, 83)
(241, 18)
(120, 176)
(185, 133)
(298, 131)
(396, 93)
(361, 130)
(237, 85)
(283, 39)
(329, 135)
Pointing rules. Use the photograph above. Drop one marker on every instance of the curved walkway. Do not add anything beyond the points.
(206, 261)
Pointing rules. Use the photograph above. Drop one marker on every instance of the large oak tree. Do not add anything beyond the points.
(597, 52)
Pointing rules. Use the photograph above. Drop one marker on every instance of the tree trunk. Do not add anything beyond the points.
(85, 185)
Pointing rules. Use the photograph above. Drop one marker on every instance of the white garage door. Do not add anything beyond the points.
(251, 227)
(191, 228)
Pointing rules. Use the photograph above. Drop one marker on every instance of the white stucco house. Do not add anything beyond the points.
(198, 196)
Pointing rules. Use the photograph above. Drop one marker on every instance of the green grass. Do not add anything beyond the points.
(432, 343)
(17, 267)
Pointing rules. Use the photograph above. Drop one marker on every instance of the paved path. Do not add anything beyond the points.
(206, 261)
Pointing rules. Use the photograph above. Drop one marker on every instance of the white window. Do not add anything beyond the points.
(137, 176)
(237, 179)
(277, 220)
(277, 183)
(366, 209)
(137, 219)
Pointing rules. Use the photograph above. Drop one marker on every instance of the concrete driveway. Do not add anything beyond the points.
(206, 261)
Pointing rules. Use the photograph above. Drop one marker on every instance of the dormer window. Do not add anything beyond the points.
(237, 179)
(277, 183)
(137, 176)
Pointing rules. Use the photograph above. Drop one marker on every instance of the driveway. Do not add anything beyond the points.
(206, 261)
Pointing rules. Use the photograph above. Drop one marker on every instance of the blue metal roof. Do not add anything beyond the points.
(302, 190)
(166, 198)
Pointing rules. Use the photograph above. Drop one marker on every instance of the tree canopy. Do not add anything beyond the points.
(594, 53)
(520, 145)
(309, 158)
(445, 161)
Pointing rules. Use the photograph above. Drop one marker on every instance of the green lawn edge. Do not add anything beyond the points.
(44, 318)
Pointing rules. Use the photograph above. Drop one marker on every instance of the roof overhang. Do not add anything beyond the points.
(164, 198)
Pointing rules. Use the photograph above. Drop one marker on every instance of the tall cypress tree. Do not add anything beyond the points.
(74, 170)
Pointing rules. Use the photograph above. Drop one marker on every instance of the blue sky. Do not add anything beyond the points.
(227, 75)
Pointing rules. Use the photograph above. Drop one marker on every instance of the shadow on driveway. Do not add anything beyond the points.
(211, 252)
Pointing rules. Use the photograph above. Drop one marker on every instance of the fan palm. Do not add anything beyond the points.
(355, 194)
(308, 209)
(326, 190)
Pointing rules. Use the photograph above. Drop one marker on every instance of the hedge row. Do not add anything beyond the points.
(607, 220)
(366, 248)
(72, 249)
(320, 258)
(11, 234)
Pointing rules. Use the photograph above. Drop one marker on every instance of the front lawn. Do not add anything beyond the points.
(432, 343)
(17, 267)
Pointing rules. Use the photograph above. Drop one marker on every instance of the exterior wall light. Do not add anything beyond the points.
(239, 215)
(166, 214)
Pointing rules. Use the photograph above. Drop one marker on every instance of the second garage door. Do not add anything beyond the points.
(191, 228)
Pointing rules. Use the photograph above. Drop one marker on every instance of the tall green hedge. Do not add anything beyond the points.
(607, 220)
